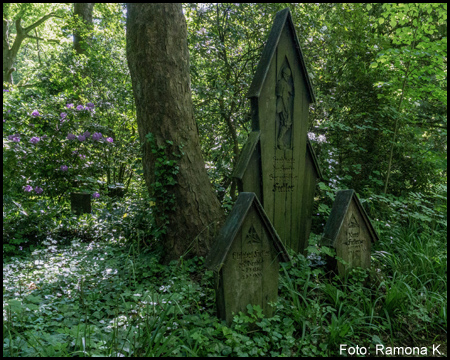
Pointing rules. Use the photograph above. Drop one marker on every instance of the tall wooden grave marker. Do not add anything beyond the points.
(245, 258)
(350, 232)
(276, 163)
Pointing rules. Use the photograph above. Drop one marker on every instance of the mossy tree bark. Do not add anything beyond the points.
(158, 59)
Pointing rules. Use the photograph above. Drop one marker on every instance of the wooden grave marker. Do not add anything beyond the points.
(350, 232)
(245, 258)
(277, 163)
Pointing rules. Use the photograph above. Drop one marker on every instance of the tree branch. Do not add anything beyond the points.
(39, 22)
(39, 38)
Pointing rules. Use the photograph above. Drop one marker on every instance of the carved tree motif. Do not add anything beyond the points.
(353, 228)
(252, 236)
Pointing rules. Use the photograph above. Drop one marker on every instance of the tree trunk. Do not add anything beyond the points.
(10, 53)
(158, 59)
(84, 12)
(7, 58)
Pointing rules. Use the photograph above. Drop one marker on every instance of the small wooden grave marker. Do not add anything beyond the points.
(80, 203)
(245, 258)
(350, 232)
(276, 161)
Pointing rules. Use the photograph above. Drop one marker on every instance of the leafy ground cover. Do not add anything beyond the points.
(84, 296)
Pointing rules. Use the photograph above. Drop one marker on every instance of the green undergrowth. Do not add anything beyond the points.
(106, 298)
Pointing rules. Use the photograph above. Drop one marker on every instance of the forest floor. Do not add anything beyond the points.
(98, 298)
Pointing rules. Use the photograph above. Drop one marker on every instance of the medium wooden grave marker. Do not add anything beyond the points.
(278, 164)
(350, 232)
(245, 258)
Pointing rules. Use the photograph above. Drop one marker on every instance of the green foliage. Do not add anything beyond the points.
(29, 224)
(359, 103)
(100, 298)
(61, 77)
(225, 43)
(39, 164)
(165, 171)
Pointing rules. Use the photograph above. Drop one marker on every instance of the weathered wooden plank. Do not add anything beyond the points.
(308, 195)
(303, 210)
(246, 154)
(267, 111)
(248, 169)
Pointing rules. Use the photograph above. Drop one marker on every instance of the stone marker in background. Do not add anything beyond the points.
(245, 258)
(350, 232)
(116, 190)
(276, 163)
(80, 203)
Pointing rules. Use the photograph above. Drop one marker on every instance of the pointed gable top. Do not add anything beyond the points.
(228, 232)
(282, 17)
(246, 154)
(314, 159)
(337, 216)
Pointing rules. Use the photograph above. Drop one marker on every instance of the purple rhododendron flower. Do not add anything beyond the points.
(90, 105)
(80, 107)
(81, 137)
(63, 115)
(96, 195)
(97, 136)
(35, 113)
(38, 190)
(64, 168)
(69, 106)
(4, 120)
(71, 137)
(28, 188)
(34, 140)
(16, 139)
(5, 90)
(87, 134)
(109, 139)
(82, 156)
